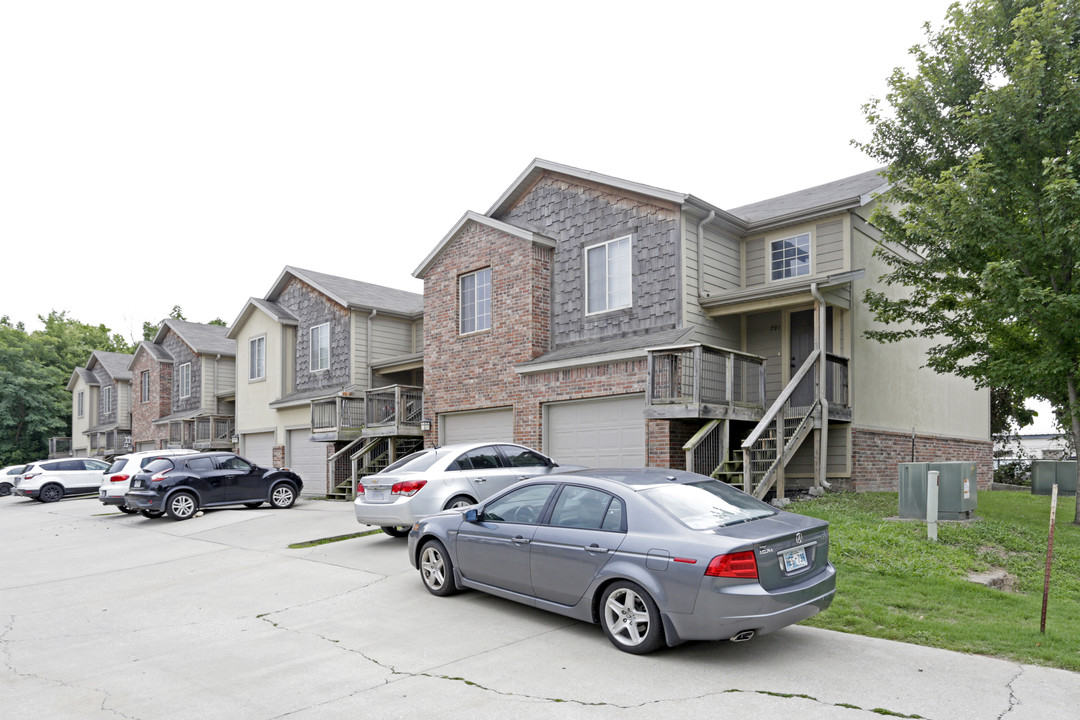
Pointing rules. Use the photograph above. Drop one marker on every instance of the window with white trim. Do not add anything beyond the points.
(106, 399)
(257, 358)
(608, 275)
(320, 347)
(82, 403)
(144, 386)
(474, 296)
(184, 380)
(790, 257)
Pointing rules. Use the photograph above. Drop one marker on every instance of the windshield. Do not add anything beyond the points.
(117, 466)
(416, 462)
(707, 504)
(158, 465)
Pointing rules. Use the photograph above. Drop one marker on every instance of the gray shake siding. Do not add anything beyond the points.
(182, 354)
(579, 216)
(312, 308)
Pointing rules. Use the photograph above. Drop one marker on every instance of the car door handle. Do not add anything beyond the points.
(594, 548)
(479, 479)
(519, 540)
(523, 477)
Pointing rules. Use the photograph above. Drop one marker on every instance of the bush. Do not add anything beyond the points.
(1015, 472)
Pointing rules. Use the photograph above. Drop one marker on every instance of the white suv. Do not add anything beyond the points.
(117, 479)
(50, 480)
(7, 478)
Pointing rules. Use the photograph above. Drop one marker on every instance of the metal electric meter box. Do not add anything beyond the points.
(957, 489)
(1045, 473)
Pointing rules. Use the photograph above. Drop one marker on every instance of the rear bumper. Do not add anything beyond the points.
(111, 499)
(25, 492)
(142, 501)
(722, 612)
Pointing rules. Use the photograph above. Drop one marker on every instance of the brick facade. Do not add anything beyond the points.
(875, 455)
(160, 404)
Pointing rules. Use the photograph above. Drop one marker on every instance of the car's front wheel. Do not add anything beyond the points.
(182, 506)
(51, 493)
(151, 514)
(5, 489)
(630, 618)
(436, 569)
(395, 530)
(282, 496)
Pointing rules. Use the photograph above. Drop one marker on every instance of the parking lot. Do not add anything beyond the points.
(106, 615)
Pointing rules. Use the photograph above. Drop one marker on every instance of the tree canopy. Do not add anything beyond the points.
(982, 143)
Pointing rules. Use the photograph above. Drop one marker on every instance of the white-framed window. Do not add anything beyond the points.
(474, 301)
(183, 380)
(320, 347)
(144, 386)
(608, 275)
(790, 257)
(106, 399)
(257, 358)
(82, 403)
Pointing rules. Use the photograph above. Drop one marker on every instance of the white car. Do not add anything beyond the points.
(50, 480)
(116, 480)
(7, 478)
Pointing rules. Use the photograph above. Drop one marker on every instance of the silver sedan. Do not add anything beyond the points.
(435, 479)
(654, 556)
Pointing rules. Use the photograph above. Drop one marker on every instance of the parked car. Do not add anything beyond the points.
(7, 478)
(51, 480)
(116, 480)
(183, 484)
(655, 556)
(435, 479)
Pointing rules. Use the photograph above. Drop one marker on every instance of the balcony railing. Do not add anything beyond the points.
(394, 405)
(340, 413)
(59, 447)
(214, 430)
(112, 442)
(836, 380)
(698, 375)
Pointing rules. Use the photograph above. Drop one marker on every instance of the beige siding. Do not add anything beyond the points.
(218, 376)
(829, 247)
(722, 273)
(390, 338)
(253, 397)
(802, 465)
(755, 262)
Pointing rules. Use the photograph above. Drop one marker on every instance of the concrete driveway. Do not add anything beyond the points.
(105, 615)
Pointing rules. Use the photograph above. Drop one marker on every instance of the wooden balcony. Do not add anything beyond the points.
(337, 418)
(393, 410)
(700, 381)
(59, 447)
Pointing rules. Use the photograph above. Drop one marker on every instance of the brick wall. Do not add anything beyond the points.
(143, 414)
(875, 455)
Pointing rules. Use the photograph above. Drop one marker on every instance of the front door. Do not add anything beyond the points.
(802, 344)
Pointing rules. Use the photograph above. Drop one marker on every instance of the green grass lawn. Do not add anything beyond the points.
(894, 583)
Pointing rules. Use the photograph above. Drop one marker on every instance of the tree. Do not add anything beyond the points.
(982, 143)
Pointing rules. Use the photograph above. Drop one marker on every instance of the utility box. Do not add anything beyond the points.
(957, 490)
(1045, 473)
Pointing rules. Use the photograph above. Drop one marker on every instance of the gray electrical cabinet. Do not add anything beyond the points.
(957, 489)
(1045, 473)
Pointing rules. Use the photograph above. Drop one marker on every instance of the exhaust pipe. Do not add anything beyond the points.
(743, 636)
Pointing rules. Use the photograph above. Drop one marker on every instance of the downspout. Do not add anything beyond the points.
(369, 319)
(823, 363)
(215, 408)
(701, 252)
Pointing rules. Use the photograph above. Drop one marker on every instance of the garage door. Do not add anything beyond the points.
(308, 460)
(482, 425)
(259, 448)
(609, 432)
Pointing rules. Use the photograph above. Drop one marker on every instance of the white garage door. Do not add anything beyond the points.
(608, 432)
(308, 460)
(494, 425)
(259, 448)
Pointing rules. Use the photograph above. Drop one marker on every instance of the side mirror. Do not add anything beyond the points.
(471, 515)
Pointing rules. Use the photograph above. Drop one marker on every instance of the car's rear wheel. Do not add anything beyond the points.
(436, 569)
(395, 530)
(152, 514)
(282, 496)
(458, 501)
(253, 505)
(126, 509)
(182, 506)
(5, 489)
(51, 493)
(630, 618)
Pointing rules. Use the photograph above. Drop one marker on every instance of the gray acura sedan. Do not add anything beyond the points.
(655, 556)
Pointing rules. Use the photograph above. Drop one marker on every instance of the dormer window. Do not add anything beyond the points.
(790, 257)
(608, 275)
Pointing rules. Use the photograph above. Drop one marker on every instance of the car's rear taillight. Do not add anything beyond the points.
(407, 488)
(29, 476)
(733, 565)
(359, 488)
(119, 478)
(159, 476)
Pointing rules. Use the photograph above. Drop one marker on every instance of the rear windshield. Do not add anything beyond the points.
(117, 466)
(707, 504)
(415, 462)
(158, 465)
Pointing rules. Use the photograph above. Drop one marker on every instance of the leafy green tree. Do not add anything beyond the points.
(982, 143)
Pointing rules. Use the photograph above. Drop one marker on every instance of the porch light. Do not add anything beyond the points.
(235, 439)
(425, 425)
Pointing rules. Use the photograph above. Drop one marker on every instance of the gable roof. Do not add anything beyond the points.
(492, 223)
(83, 374)
(114, 364)
(353, 294)
(846, 193)
(276, 313)
(158, 352)
(203, 339)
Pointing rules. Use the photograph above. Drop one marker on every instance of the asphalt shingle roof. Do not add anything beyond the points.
(357, 293)
(805, 200)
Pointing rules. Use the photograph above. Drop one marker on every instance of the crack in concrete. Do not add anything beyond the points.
(1014, 701)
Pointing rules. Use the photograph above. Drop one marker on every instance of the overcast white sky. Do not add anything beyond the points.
(155, 154)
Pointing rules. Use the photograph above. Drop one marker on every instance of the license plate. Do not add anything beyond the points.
(136, 483)
(794, 559)
(377, 494)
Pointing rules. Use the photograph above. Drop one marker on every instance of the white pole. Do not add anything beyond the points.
(931, 504)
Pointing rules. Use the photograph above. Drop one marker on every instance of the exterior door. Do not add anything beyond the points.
(802, 344)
